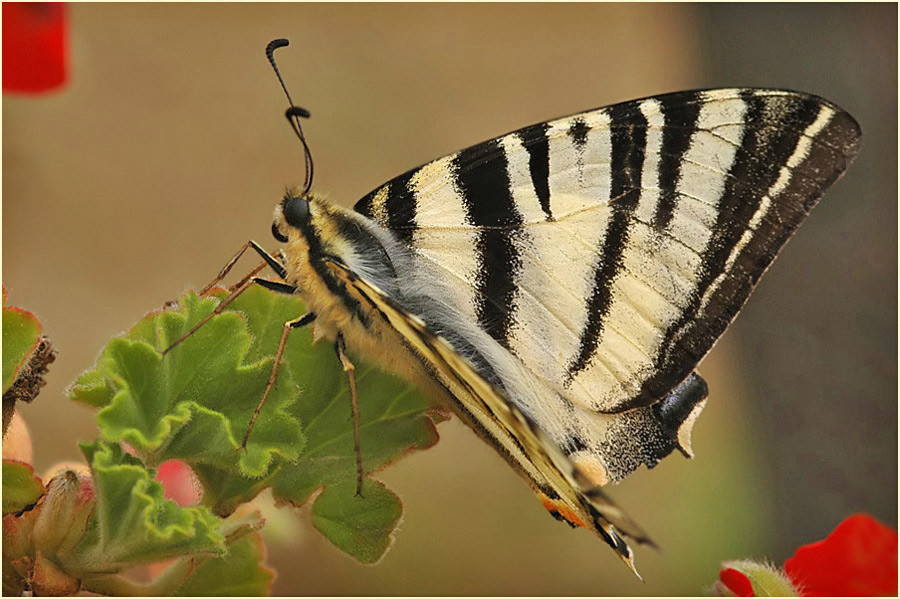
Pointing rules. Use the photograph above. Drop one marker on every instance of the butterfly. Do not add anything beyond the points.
(557, 286)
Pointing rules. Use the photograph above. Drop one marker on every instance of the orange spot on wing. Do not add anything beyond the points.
(563, 511)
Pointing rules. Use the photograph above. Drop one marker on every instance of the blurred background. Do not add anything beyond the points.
(168, 149)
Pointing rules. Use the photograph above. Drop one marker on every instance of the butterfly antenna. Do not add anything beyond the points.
(293, 114)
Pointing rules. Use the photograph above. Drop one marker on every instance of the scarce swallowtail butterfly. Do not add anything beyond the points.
(558, 285)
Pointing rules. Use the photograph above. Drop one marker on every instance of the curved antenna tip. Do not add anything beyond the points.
(296, 111)
(275, 44)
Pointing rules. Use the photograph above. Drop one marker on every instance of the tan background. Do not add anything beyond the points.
(169, 149)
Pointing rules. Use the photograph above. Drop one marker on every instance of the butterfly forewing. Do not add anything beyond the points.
(578, 270)
(609, 250)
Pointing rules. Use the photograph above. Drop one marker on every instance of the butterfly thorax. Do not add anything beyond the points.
(329, 235)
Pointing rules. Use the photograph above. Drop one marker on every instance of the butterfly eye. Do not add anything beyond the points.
(296, 211)
(277, 234)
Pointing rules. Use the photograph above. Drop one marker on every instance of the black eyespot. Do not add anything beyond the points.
(296, 211)
(277, 234)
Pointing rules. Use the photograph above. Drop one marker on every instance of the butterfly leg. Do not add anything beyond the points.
(266, 256)
(237, 285)
(173, 303)
(291, 324)
(340, 347)
(237, 291)
(241, 286)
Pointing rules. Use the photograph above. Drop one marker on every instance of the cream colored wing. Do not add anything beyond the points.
(609, 250)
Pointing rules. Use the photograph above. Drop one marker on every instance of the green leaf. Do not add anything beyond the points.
(240, 573)
(360, 526)
(394, 418)
(132, 522)
(21, 487)
(21, 335)
(195, 404)
(87, 530)
(92, 388)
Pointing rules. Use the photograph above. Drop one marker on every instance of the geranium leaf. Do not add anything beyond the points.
(21, 487)
(240, 573)
(195, 403)
(132, 522)
(359, 525)
(21, 335)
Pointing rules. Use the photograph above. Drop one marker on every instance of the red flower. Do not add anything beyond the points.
(858, 559)
(34, 46)
(736, 582)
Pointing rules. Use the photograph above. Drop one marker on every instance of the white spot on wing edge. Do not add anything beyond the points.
(684, 431)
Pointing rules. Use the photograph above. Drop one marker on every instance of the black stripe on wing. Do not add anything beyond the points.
(399, 206)
(534, 138)
(680, 119)
(775, 124)
(482, 178)
(629, 143)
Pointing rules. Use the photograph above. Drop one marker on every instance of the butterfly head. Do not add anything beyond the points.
(299, 220)
(317, 231)
(292, 213)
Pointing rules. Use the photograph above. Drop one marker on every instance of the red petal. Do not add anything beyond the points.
(858, 558)
(178, 482)
(736, 582)
(34, 46)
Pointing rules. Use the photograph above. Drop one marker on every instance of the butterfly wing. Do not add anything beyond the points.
(606, 252)
(609, 250)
